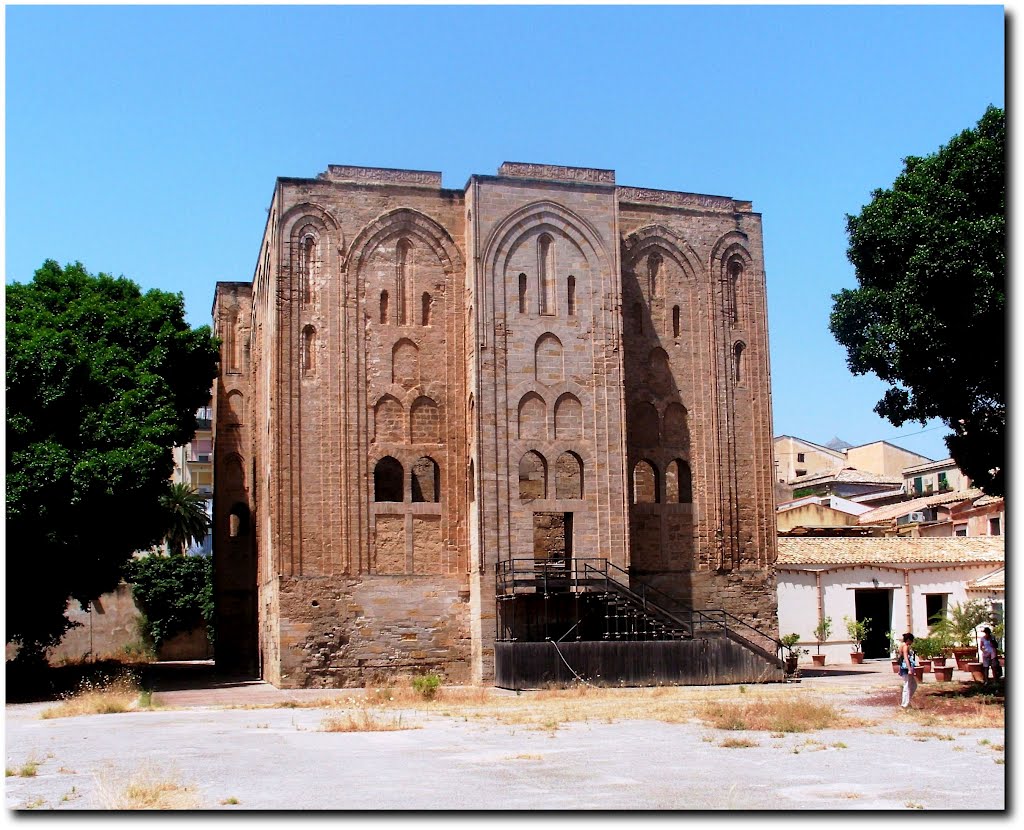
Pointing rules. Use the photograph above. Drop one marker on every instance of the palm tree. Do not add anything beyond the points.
(186, 517)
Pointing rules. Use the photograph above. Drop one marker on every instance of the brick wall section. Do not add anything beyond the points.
(545, 311)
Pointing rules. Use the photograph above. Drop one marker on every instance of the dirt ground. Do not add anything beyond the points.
(230, 745)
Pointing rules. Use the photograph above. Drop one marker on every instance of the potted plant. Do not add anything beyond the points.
(960, 628)
(821, 633)
(926, 648)
(997, 631)
(943, 646)
(857, 630)
(789, 642)
(894, 651)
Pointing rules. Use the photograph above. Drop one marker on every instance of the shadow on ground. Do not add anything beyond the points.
(27, 683)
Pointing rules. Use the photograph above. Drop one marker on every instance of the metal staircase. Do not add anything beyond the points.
(631, 609)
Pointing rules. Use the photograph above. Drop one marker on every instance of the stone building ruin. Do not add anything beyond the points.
(494, 431)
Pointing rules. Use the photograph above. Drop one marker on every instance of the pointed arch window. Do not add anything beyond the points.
(737, 362)
(678, 483)
(733, 290)
(308, 258)
(569, 476)
(645, 483)
(426, 480)
(403, 281)
(546, 270)
(388, 480)
(309, 351)
(653, 269)
(533, 476)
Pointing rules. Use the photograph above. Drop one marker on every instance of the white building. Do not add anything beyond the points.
(898, 583)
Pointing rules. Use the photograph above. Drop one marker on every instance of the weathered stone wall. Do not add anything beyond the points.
(435, 381)
(342, 632)
(234, 560)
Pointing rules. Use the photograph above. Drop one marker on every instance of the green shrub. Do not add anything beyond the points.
(426, 685)
(174, 594)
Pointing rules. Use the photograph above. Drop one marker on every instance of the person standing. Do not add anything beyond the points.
(908, 662)
(990, 655)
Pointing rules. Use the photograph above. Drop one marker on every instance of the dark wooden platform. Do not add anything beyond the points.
(697, 662)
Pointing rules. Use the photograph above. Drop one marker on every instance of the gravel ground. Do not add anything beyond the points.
(276, 759)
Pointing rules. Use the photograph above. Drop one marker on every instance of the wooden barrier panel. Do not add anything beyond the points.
(699, 662)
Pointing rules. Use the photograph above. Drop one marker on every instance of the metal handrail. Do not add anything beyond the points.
(689, 618)
(648, 607)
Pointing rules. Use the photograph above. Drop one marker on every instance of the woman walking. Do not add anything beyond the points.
(990, 655)
(908, 662)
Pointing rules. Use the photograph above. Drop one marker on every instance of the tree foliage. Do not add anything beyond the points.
(185, 517)
(174, 594)
(928, 316)
(102, 380)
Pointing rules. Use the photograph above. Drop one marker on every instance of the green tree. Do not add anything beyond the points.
(174, 593)
(929, 314)
(185, 516)
(102, 380)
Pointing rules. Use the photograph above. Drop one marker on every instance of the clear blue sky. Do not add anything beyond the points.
(145, 141)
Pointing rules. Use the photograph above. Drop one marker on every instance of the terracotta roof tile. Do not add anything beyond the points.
(849, 475)
(796, 550)
(894, 511)
(995, 581)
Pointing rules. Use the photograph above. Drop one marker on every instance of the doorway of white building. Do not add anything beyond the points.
(875, 604)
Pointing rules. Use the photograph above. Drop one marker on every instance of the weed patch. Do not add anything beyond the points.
(146, 790)
(775, 716)
(100, 696)
(426, 685)
(364, 721)
(738, 743)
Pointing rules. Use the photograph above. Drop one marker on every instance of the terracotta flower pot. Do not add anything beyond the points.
(938, 661)
(791, 664)
(943, 674)
(856, 657)
(818, 659)
(964, 656)
(977, 671)
(925, 665)
(919, 672)
(895, 666)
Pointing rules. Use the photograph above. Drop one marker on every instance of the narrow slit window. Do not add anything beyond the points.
(308, 253)
(425, 308)
(735, 275)
(308, 351)
(675, 321)
(403, 281)
(738, 362)
(522, 293)
(653, 267)
(546, 267)
(383, 307)
(570, 296)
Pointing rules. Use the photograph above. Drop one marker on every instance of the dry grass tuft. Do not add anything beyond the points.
(103, 696)
(526, 757)
(146, 790)
(363, 720)
(26, 770)
(775, 716)
(738, 743)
